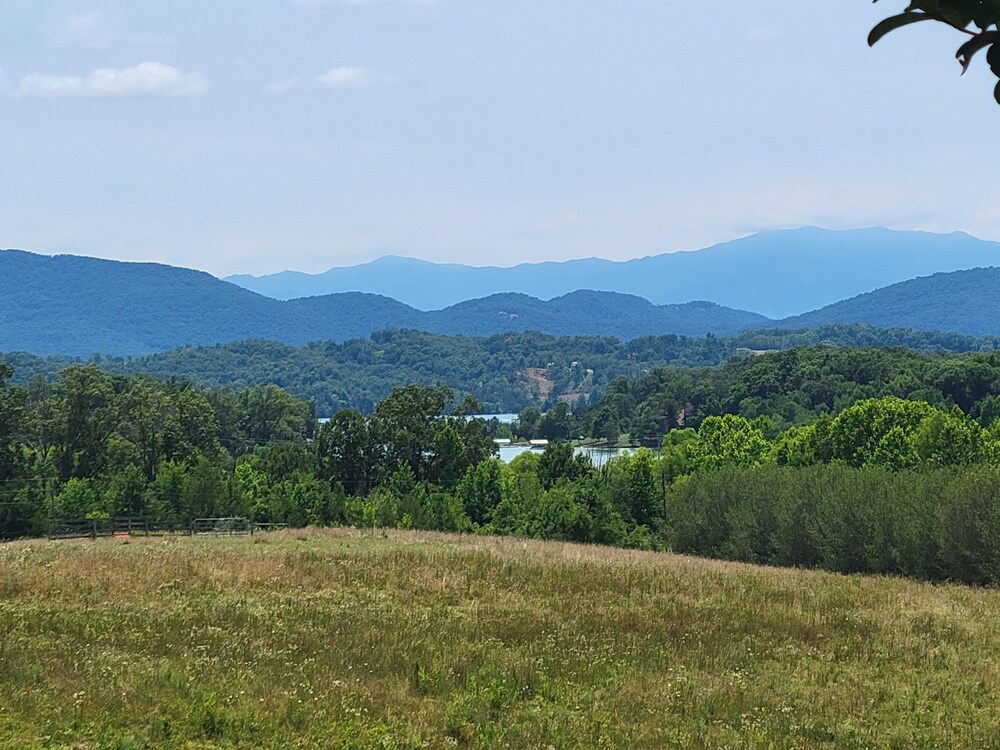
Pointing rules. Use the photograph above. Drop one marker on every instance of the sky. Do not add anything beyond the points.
(308, 134)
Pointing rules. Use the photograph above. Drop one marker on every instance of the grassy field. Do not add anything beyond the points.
(345, 640)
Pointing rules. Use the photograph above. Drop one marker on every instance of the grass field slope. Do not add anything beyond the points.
(345, 640)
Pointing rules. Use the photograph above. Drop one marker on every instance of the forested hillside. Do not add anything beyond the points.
(793, 387)
(587, 313)
(67, 305)
(505, 372)
(962, 301)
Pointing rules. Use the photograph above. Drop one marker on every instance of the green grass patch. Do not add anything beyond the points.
(407, 640)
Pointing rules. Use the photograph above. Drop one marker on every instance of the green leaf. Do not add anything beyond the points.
(930, 7)
(894, 22)
(954, 18)
(968, 50)
(993, 58)
(987, 15)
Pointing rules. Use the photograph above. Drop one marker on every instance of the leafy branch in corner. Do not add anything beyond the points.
(978, 19)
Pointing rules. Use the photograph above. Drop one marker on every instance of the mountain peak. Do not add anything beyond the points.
(776, 273)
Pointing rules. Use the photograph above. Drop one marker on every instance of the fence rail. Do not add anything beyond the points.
(91, 528)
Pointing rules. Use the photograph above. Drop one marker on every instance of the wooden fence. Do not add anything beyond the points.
(84, 528)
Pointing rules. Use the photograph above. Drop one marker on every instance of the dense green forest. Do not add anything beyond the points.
(846, 459)
(792, 387)
(505, 373)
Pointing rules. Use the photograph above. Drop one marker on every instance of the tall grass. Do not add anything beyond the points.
(345, 640)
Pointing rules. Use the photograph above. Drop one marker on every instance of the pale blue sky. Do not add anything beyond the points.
(254, 137)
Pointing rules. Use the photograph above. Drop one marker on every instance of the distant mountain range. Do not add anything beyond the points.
(776, 274)
(79, 306)
(82, 306)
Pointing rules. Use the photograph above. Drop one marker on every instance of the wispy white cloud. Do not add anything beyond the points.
(343, 77)
(94, 31)
(145, 79)
(353, 77)
(283, 87)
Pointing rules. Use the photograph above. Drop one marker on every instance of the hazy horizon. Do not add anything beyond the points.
(313, 134)
(487, 265)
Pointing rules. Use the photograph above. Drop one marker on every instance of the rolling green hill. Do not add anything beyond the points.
(962, 301)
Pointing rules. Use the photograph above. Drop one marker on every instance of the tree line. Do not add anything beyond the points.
(886, 484)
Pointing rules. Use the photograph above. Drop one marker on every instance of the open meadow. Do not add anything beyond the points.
(339, 639)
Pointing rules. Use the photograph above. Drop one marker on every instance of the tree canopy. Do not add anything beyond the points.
(978, 19)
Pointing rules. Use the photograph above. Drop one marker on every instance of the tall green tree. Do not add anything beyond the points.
(92, 418)
(346, 452)
(271, 415)
(42, 427)
(19, 501)
(556, 423)
(645, 493)
(949, 439)
(481, 489)
(526, 426)
(10, 416)
(404, 425)
(879, 432)
(730, 440)
(560, 462)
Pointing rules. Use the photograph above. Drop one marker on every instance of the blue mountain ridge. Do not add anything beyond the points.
(776, 274)
(80, 306)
